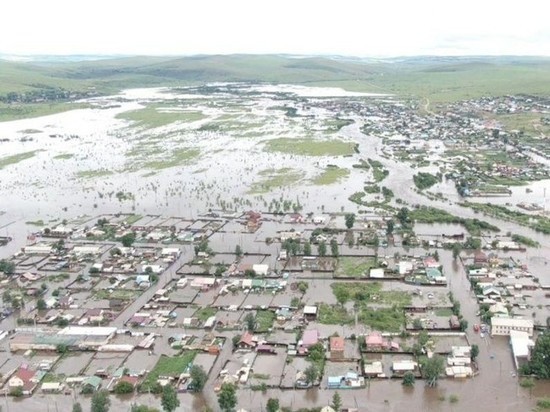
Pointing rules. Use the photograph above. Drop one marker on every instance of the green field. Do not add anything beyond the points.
(276, 178)
(64, 156)
(167, 366)
(178, 157)
(92, 174)
(310, 147)
(330, 175)
(156, 116)
(355, 266)
(14, 159)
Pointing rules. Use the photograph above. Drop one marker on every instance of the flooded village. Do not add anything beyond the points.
(370, 247)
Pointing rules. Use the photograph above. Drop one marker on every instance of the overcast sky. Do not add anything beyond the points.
(344, 27)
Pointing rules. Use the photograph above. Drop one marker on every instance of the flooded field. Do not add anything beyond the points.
(235, 147)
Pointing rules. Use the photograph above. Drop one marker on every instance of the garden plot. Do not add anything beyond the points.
(268, 369)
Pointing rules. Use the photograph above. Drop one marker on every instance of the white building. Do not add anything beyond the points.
(501, 326)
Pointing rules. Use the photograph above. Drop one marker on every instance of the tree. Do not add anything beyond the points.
(403, 216)
(199, 377)
(389, 227)
(143, 408)
(408, 379)
(272, 405)
(342, 295)
(539, 365)
(307, 249)
(250, 273)
(40, 304)
(227, 397)
(128, 239)
(322, 248)
(169, 400)
(311, 373)
(123, 387)
(336, 402)
(334, 247)
(250, 321)
(417, 323)
(7, 267)
(77, 407)
(463, 325)
(456, 250)
(432, 368)
(235, 340)
(474, 352)
(101, 401)
(316, 352)
(350, 220)
(238, 251)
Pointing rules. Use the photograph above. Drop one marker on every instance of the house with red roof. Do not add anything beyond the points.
(337, 345)
(24, 378)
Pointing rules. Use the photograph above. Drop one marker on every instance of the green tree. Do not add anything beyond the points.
(7, 267)
(474, 351)
(322, 248)
(334, 247)
(539, 365)
(316, 352)
(432, 368)
(199, 377)
(123, 387)
(40, 304)
(311, 373)
(101, 401)
(350, 220)
(408, 379)
(143, 408)
(342, 295)
(128, 239)
(403, 216)
(16, 391)
(272, 405)
(336, 402)
(250, 321)
(77, 407)
(456, 250)
(389, 227)
(238, 251)
(227, 397)
(169, 400)
(307, 249)
(250, 273)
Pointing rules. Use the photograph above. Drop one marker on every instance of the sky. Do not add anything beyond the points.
(312, 27)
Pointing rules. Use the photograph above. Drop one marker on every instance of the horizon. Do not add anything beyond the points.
(346, 28)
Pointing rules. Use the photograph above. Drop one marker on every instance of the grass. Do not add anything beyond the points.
(355, 267)
(30, 110)
(275, 178)
(428, 214)
(178, 157)
(154, 116)
(444, 312)
(379, 172)
(310, 147)
(537, 222)
(264, 320)
(330, 175)
(14, 159)
(92, 174)
(64, 156)
(131, 219)
(35, 222)
(169, 366)
(371, 293)
(383, 319)
(121, 294)
(333, 315)
(204, 313)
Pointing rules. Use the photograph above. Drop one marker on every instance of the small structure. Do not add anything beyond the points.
(247, 341)
(310, 312)
(375, 342)
(92, 381)
(337, 345)
(377, 273)
(309, 338)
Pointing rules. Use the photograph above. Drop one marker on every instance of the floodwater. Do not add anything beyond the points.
(50, 188)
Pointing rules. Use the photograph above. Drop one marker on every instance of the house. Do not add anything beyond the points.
(459, 371)
(480, 258)
(309, 338)
(266, 349)
(24, 378)
(310, 312)
(430, 262)
(143, 281)
(350, 380)
(399, 367)
(247, 341)
(404, 267)
(65, 301)
(92, 381)
(260, 270)
(454, 322)
(373, 370)
(375, 342)
(337, 345)
(491, 292)
(501, 326)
